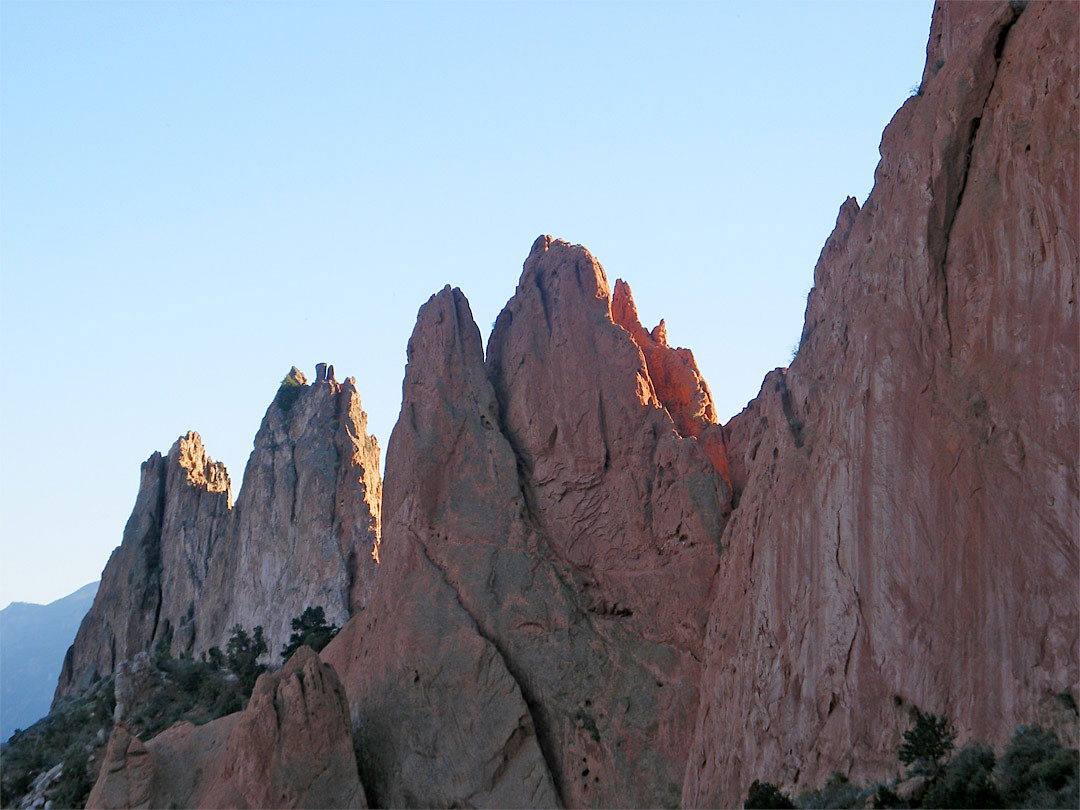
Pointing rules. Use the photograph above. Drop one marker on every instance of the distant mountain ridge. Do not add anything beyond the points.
(33, 640)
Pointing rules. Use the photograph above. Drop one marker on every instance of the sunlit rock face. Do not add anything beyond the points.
(549, 547)
(192, 565)
(291, 747)
(907, 524)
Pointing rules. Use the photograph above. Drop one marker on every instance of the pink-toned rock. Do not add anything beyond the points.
(908, 517)
(676, 379)
(439, 719)
(291, 747)
(126, 779)
(303, 533)
(550, 536)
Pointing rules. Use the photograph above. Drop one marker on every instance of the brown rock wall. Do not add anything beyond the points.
(907, 528)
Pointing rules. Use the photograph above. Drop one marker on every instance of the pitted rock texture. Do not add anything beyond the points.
(907, 532)
(549, 532)
(303, 533)
(291, 747)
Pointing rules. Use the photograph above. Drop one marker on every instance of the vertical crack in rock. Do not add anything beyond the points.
(540, 730)
(952, 203)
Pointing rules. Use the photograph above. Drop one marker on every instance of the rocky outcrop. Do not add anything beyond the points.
(184, 499)
(592, 594)
(907, 528)
(549, 545)
(291, 747)
(677, 381)
(304, 532)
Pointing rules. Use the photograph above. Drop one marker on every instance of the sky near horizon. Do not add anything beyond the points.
(195, 197)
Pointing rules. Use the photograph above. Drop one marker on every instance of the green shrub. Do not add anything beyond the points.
(886, 797)
(61, 736)
(838, 792)
(242, 655)
(927, 742)
(309, 628)
(966, 781)
(73, 787)
(288, 392)
(1036, 770)
(766, 795)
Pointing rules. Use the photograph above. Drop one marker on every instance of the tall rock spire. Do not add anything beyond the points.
(304, 532)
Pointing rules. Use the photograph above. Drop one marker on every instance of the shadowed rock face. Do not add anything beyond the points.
(291, 747)
(549, 544)
(302, 533)
(908, 516)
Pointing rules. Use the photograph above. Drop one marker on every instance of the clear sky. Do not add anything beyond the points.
(194, 197)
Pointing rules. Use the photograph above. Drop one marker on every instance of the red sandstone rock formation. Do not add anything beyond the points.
(677, 382)
(291, 747)
(550, 541)
(908, 522)
(570, 609)
(191, 565)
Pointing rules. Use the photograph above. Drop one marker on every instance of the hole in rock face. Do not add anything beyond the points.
(585, 772)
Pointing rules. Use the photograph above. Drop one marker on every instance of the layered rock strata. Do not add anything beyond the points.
(291, 747)
(550, 542)
(303, 532)
(907, 532)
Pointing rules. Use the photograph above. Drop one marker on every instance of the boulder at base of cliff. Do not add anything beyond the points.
(291, 747)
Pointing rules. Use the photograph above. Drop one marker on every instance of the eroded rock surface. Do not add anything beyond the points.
(291, 747)
(303, 533)
(550, 532)
(907, 529)
(592, 594)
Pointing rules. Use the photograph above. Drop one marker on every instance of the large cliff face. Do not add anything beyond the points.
(906, 524)
(549, 546)
(592, 594)
(908, 518)
(191, 565)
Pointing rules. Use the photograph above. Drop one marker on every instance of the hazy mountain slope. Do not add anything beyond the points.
(33, 640)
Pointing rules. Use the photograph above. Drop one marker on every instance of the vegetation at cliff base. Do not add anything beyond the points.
(311, 629)
(76, 731)
(78, 724)
(1034, 770)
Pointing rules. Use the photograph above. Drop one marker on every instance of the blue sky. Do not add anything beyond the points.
(194, 197)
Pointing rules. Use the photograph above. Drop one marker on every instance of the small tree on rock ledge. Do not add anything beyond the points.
(310, 628)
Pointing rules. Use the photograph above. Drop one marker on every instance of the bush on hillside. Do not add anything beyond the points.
(928, 742)
(766, 795)
(838, 792)
(1036, 770)
(966, 781)
(310, 629)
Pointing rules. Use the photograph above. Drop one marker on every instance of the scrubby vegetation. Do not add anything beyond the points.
(1034, 770)
(76, 731)
(288, 392)
(78, 724)
(310, 628)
